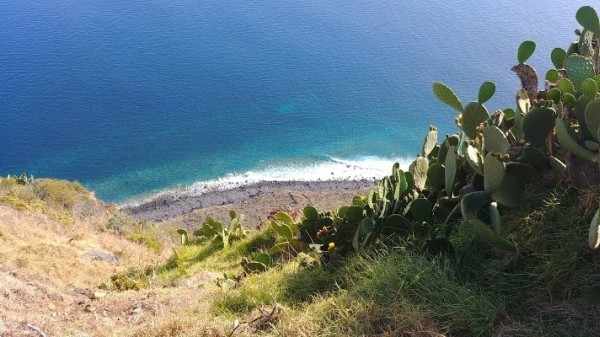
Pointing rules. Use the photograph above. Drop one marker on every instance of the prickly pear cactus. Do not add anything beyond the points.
(587, 17)
(495, 217)
(447, 96)
(534, 157)
(525, 51)
(589, 88)
(586, 44)
(473, 115)
(419, 171)
(490, 237)
(537, 125)
(282, 229)
(493, 173)
(421, 209)
(471, 203)
(474, 159)
(450, 171)
(430, 141)
(486, 91)
(579, 111)
(495, 140)
(578, 69)
(568, 143)
(435, 176)
(592, 117)
(566, 86)
(558, 57)
(552, 76)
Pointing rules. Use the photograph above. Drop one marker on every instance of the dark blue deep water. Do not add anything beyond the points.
(133, 97)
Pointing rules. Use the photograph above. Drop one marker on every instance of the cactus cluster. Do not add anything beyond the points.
(219, 234)
(556, 128)
(471, 175)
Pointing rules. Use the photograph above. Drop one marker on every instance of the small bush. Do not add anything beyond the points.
(133, 279)
(147, 236)
(14, 202)
(60, 193)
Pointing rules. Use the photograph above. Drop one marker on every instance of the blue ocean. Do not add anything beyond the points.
(134, 97)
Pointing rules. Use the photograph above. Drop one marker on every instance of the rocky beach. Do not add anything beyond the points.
(185, 207)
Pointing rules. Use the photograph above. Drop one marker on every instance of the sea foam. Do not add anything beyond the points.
(332, 169)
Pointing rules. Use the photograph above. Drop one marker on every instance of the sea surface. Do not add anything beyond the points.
(134, 97)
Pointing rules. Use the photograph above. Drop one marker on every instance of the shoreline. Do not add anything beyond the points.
(176, 203)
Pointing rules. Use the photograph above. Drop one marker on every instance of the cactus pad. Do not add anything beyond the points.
(473, 115)
(573, 48)
(494, 172)
(578, 69)
(495, 217)
(310, 213)
(554, 94)
(490, 237)
(419, 172)
(435, 176)
(592, 117)
(568, 143)
(472, 203)
(397, 224)
(486, 91)
(587, 17)
(474, 159)
(534, 157)
(586, 44)
(552, 76)
(509, 194)
(421, 209)
(450, 171)
(579, 111)
(282, 229)
(263, 258)
(556, 164)
(537, 125)
(566, 86)
(521, 172)
(558, 57)
(430, 141)
(447, 96)
(525, 51)
(253, 267)
(589, 88)
(569, 100)
(495, 140)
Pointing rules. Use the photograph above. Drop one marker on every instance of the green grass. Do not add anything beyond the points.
(550, 288)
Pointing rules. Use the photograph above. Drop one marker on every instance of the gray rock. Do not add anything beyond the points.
(99, 254)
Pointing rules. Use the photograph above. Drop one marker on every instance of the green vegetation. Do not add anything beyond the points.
(484, 234)
(393, 290)
(480, 236)
(59, 199)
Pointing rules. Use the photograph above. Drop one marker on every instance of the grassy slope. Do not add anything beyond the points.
(551, 288)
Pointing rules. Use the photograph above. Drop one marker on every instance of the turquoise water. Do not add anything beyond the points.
(134, 97)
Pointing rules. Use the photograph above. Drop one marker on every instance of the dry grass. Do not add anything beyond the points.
(482, 292)
(46, 275)
(38, 244)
